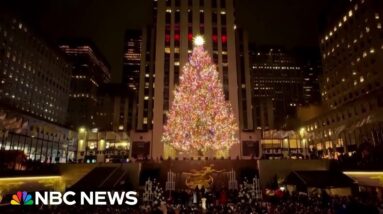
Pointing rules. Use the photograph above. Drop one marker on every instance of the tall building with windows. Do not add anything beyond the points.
(138, 74)
(34, 93)
(35, 77)
(132, 58)
(282, 80)
(115, 108)
(176, 23)
(245, 85)
(90, 70)
(351, 84)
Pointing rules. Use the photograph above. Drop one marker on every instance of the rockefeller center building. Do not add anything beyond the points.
(351, 85)
(177, 22)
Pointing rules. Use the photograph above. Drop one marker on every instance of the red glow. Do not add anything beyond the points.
(215, 38)
(167, 38)
(190, 37)
(224, 38)
(177, 37)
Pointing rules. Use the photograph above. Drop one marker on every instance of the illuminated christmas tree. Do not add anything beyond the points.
(200, 119)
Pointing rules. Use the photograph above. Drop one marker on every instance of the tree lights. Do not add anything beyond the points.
(200, 119)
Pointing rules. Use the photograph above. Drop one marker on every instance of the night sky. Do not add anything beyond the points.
(290, 23)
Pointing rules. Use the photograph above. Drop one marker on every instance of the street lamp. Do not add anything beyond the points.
(302, 134)
(81, 130)
(83, 141)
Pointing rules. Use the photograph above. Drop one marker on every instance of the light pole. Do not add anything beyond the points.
(303, 140)
(83, 141)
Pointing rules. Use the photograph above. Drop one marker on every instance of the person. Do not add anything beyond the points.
(223, 197)
(195, 195)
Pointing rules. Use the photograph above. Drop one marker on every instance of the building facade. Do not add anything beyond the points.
(35, 77)
(103, 146)
(90, 70)
(115, 108)
(176, 23)
(132, 58)
(138, 74)
(351, 85)
(245, 85)
(39, 140)
(282, 80)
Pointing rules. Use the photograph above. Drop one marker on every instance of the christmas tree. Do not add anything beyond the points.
(200, 119)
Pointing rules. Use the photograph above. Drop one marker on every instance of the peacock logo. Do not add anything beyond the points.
(21, 198)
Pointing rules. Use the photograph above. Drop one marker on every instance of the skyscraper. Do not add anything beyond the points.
(34, 93)
(245, 90)
(132, 58)
(177, 22)
(138, 74)
(35, 77)
(351, 85)
(90, 70)
(115, 103)
(283, 80)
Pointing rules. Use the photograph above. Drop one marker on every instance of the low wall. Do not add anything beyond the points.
(269, 168)
(72, 173)
(10, 185)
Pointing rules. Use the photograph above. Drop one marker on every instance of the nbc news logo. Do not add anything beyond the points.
(68, 198)
(21, 198)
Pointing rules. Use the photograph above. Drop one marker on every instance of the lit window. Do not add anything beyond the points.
(379, 26)
(361, 79)
(350, 13)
